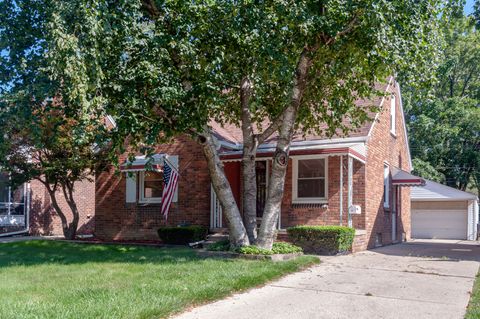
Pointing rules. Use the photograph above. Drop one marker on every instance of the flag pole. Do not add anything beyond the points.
(171, 165)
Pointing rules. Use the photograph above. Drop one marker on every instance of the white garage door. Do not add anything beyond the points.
(441, 224)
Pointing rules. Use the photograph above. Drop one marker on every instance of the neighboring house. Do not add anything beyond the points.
(443, 212)
(27, 209)
(361, 180)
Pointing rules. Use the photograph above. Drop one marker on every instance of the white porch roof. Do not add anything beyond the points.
(142, 163)
(357, 150)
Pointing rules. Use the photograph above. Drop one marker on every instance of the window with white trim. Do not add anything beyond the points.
(310, 179)
(150, 187)
(12, 200)
(392, 115)
(386, 186)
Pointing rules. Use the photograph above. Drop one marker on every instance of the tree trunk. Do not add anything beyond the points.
(248, 163)
(276, 185)
(249, 193)
(68, 232)
(238, 234)
(71, 231)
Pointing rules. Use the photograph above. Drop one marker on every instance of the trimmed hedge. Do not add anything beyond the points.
(320, 240)
(182, 235)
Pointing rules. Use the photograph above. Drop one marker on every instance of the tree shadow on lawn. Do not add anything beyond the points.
(38, 252)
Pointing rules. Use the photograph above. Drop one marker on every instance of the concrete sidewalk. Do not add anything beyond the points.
(420, 279)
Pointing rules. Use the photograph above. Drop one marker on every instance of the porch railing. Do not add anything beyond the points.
(216, 214)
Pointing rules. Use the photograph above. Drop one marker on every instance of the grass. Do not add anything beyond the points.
(473, 310)
(47, 279)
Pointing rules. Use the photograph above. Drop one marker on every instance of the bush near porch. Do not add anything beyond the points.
(321, 240)
(182, 235)
(51, 279)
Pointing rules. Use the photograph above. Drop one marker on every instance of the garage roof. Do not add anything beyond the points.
(435, 191)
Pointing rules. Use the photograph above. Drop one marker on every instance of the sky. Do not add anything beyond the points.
(469, 6)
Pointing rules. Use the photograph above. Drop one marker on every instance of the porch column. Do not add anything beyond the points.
(350, 189)
(341, 190)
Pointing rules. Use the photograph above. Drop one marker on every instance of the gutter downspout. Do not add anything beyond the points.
(350, 189)
(27, 218)
(341, 190)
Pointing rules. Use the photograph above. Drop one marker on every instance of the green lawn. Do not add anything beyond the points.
(46, 279)
(473, 310)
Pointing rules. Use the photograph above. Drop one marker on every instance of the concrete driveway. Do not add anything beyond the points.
(419, 279)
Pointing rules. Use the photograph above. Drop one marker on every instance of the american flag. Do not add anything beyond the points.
(170, 179)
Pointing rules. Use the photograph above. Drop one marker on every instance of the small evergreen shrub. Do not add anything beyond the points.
(277, 248)
(182, 235)
(222, 245)
(320, 240)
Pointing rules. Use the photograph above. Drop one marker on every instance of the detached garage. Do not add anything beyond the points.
(443, 212)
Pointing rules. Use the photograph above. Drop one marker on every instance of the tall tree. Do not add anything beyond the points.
(165, 68)
(49, 120)
(444, 126)
(295, 63)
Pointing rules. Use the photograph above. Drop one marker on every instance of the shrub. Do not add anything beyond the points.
(285, 248)
(182, 235)
(277, 248)
(222, 245)
(322, 239)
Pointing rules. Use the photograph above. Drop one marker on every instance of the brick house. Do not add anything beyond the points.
(28, 209)
(361, 180)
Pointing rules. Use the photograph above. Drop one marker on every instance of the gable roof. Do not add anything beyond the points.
(230, 135)
(438, 192)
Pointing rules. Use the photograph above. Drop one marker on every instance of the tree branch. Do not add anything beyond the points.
(349, 28)
(151, 8)
(270, 129)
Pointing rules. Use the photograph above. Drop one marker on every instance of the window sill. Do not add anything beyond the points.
(310, 201)
(148, 202)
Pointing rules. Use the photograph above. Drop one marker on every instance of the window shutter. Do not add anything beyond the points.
(131, 188)
(174, 160)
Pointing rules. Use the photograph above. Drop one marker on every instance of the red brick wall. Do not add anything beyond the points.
(314, 214)
(44, 220)
(385, 147)
(115, 219)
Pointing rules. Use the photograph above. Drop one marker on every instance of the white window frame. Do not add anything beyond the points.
(308, 200)
(386, 185)
(141, 191)
(393, 115)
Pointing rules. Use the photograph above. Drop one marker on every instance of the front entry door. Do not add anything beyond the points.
(261, 172)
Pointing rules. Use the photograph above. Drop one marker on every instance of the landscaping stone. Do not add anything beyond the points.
(228, 254)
